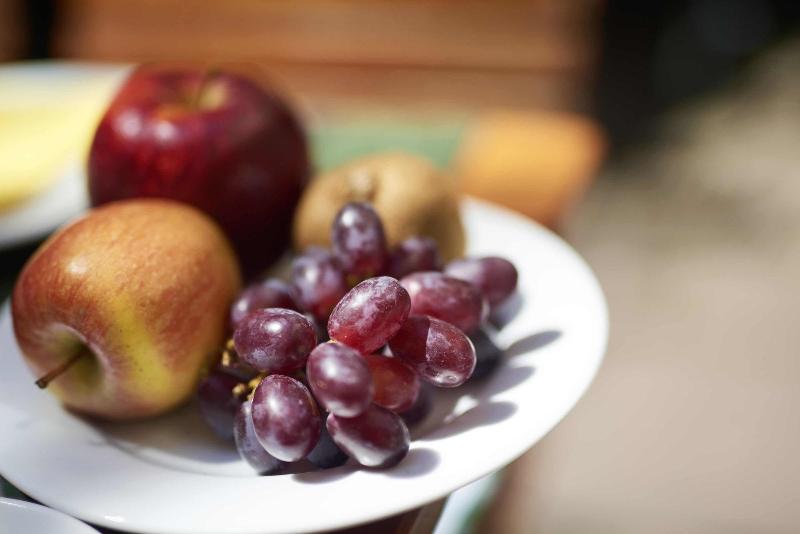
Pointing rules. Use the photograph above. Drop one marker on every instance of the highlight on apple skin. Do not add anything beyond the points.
(214, 139)
(131, 301)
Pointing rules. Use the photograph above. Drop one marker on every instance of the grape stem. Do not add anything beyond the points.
(229, 356)
(51, 375)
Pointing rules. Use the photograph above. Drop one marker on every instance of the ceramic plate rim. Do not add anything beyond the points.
(38, 509)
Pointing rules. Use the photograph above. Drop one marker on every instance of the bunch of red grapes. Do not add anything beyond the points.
(395, 319)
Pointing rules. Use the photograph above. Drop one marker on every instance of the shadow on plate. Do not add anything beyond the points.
(483, 414)
(420, 461)
(311, 476)
(182, 441)
(532, 342)
(457, 410)
(507, 311)
(181, 435)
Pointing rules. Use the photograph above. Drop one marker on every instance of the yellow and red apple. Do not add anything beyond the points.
(129, 302)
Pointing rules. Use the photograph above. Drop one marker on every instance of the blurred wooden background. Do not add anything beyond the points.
(474, 54)
(12, 30)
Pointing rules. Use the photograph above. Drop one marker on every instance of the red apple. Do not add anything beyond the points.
(124, 307)
(216, 140)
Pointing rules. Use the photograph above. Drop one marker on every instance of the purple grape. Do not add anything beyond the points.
(358, 240)
(487, 355)
(217, 402)
(439, 352)
(274, 340)
(271, 293)
(396, 384)
(369, 314)
(340, 379)
(326, 454)
(318, 282)
(421, 407)
(285, 418)
(446, 298)
(376, 438)
(495, 277)
(413, 255)
(248, 445)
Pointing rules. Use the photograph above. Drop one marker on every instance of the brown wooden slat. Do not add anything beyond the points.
(418, 87)
(542, 34)
(12, 38)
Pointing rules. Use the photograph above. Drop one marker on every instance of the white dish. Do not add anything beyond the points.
(172, 476)
(67, 196)
(22, 516)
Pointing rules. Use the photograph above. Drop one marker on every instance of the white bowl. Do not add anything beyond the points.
(170, 475)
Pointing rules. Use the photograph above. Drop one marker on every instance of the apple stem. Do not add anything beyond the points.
(58, 371)
(207, 76)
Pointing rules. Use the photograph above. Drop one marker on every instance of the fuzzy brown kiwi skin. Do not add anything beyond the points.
(409, 193)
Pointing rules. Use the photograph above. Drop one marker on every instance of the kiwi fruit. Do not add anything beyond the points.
(411, 195)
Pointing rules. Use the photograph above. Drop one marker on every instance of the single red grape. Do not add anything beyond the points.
(217, 402)
(248, 446)
(340, 379)
(358, 240)
(274, 340)
(446, 298)
(318, 282)
(271, 293)
(376, 438)
(439, 352)
(414, 254)
(369, 314)
(285, 418)
(396, 384)
(495, 277)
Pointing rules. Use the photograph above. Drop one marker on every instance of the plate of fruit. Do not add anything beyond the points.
(414, 343)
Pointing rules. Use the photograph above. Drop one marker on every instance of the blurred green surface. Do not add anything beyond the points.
(7, 490)
(335, 144)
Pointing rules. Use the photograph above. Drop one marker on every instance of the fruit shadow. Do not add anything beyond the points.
(507, 311)
(179, 440)
(182, 441)
(310, 475)
(532, 342)
(458, 410)
(418, 462)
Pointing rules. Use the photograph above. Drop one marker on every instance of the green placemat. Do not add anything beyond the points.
(336, 143)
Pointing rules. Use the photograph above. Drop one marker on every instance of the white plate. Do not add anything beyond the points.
(22, 516)
(171, 476)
